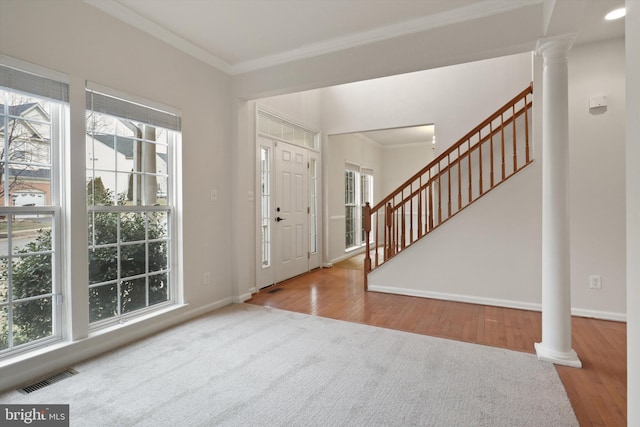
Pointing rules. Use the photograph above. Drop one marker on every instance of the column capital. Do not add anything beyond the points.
(555, 48)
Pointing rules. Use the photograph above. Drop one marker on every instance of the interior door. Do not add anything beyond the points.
(291, 215)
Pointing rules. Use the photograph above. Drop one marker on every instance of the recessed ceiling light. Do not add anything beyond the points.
(616, 14)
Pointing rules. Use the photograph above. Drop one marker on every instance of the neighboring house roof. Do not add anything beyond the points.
(39, 173)
(17, 110)
(20, 110)
(124, 145)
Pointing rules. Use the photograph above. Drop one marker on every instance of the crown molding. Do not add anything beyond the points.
(128, 16)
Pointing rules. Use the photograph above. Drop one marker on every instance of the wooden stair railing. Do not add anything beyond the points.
(481, 160)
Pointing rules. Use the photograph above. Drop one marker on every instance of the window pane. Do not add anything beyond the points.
(350, 223)
(162, 190)
(123, 152)
(103, 265)
(158, 288)
(157, 224)
(158, 256)
(263, 124)
(132, 260)
(313, 240)
(133, 295)
(287, 133)
(103, 302)
(25, 149)
(299, 137)
(275, 129)
(127, 188)
(132, 226)
(32, 320)
(4, 242)
(310, 140)
(265, 200)
(350, 188)
(31, 276)
(4, 283)
(31, 233)
(4, 327)
(103, 228)
(101, 188)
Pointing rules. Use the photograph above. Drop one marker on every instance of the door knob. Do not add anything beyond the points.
(278, 219)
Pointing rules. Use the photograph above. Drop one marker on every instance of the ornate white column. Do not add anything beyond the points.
(556, 284)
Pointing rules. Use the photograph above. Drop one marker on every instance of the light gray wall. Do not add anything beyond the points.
(401, 163)
(455, 99)
(597, 175)
(76, 39)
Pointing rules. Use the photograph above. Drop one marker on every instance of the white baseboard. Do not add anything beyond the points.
(244, 297)
(596, 314)
(458, 298)
(207, 308)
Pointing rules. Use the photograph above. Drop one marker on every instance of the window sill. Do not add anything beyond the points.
(61, 345)
(123, 323)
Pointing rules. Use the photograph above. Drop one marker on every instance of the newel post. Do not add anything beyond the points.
(367, 232)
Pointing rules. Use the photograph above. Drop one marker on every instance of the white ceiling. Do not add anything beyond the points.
(245, 35)
(239, 36)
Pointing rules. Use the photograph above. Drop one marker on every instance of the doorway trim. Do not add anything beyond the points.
(272, 128)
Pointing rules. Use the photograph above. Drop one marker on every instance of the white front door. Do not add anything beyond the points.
(290, 211)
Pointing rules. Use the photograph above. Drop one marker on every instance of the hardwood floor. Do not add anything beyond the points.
(598, 391)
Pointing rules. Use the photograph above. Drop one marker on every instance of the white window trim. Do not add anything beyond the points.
(59, 137)
(175, 250)
(359, 172)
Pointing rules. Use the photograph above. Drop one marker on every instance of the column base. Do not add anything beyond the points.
(569, 358)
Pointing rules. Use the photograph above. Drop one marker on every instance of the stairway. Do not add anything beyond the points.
(484, 158)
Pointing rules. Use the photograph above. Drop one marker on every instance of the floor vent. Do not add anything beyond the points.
(274, 290)
(47, 381)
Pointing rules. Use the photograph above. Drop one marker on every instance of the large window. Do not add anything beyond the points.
(358, 190)
(32, 127)
(130, 205)
(130, 148)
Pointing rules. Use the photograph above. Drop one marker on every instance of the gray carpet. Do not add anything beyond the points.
(246, 365)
